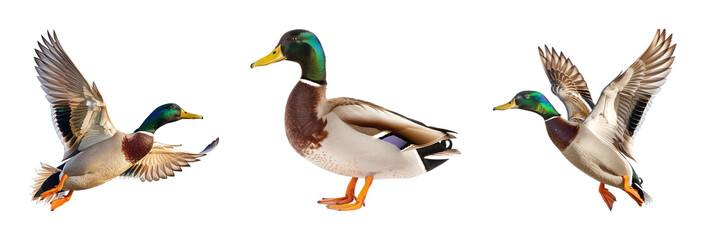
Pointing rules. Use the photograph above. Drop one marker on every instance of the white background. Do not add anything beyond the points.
(444, 63)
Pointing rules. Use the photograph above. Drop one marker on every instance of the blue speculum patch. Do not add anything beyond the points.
(396, 141)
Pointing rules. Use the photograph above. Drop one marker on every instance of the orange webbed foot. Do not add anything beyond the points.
(347, 206)
(631, 191)
(349, 195)
(609, 198)
(56, 188)
(49, 193)
(338, 201)
(359, 202)
(58, 202)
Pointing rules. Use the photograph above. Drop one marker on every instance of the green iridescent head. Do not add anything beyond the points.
(164, 114)
(532, 101)
(303, 47)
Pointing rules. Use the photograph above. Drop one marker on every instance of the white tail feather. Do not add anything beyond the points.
(42, 174)
(647, 199)
(446, 153)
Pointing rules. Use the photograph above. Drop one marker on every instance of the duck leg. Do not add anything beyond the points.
(58, 202)
(360, 198)
(631, 192)
(349, 195)
(56, 188)
(609, 198)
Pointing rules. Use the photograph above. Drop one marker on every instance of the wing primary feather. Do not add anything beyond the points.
(567, 83)
(77, 120)
(211, 146)
(163, 160)
(628, 97)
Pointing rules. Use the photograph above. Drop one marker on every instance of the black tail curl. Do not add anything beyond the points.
(438, 147)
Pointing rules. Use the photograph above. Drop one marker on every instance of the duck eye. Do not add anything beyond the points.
(295, 39)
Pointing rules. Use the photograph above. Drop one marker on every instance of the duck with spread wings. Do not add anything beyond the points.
(95, 152)
(597, 138)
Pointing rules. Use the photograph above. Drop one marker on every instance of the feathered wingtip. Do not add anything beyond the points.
(44, 173)
(211, 146)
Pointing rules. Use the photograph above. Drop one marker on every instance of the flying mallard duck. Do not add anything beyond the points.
(348, 136)
(94, 151)
(598, 141)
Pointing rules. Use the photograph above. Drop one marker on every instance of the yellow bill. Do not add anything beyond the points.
(275, 56)
(187, 115)
(510, 105)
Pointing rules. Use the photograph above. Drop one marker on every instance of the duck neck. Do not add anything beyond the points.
(313, 67)
(151, 124)
(546, 110)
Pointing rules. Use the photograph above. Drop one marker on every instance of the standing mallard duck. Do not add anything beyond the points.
(95, 151)
(348, 136)
(598, 142)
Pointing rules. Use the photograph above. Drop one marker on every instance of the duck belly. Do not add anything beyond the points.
(94, 166)
(598, 159)
(350, 153)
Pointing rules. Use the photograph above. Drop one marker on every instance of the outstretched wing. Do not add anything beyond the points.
(567, 83)
(625, 101)
(163, 160)
(373, 120)
(80, 115)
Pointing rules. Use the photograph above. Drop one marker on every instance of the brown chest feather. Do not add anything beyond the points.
(304, 129)
(561, 132)
(136, 146)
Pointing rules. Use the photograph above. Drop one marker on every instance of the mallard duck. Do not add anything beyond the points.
(348, 136)
(94, 151)
(597, 138)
